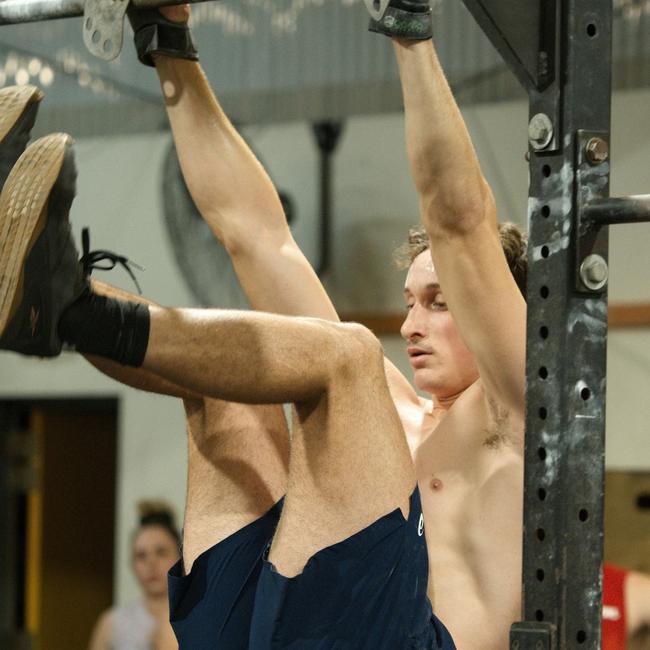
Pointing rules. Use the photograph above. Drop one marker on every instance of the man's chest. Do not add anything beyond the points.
(471, 488)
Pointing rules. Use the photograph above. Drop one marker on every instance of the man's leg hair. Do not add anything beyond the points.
(135, 377)
(349, 462)
(238, 454)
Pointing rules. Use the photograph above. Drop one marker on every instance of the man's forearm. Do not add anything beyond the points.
(225, 179)
(444, 165)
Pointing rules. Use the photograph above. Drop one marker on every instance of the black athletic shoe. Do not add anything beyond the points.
(18, 108)
(39, 270)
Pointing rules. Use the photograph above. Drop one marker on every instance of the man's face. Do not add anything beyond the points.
(441, 362)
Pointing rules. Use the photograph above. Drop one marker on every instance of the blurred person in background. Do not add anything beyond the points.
(144, 624)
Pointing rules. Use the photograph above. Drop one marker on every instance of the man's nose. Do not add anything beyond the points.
(412, 326)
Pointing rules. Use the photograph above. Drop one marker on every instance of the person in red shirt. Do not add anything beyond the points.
(626, 605)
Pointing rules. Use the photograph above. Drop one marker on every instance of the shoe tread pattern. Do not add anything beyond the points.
(13, 101)
(22, 203)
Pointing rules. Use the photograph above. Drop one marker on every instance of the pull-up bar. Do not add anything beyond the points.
(103, 25)
(615, 210)
(13, 12)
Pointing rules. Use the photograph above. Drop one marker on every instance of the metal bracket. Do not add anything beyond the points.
(533, 636)
(527, 34)
(103, 28)
(545, 134)
(592, 183)
(376, 11)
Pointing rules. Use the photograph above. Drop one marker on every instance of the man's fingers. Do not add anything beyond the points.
(176, 13)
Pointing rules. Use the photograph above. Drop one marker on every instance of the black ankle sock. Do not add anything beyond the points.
(108, 327)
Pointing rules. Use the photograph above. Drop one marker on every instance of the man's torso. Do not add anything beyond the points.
(470, 473)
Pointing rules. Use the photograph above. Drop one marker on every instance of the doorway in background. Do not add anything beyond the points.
(59, 501)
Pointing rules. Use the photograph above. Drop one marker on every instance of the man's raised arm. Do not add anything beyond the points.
(229, 186)
(236, 197)
(457, 209)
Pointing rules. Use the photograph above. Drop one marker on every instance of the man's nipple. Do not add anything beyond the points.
(436, 484)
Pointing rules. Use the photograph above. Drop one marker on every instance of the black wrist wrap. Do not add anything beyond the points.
(404, 22)
(154, 34)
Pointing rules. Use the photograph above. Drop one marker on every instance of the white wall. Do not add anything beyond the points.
(119, 197)
(628, 375)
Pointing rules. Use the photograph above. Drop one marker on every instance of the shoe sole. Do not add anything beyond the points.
(23, 213)
(13, 102)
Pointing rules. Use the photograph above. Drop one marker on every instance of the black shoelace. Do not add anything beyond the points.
(105, 260)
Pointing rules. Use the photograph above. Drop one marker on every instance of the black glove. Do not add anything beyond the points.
(408, 19)
(154, 34)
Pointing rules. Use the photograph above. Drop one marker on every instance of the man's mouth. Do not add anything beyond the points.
(416, 352)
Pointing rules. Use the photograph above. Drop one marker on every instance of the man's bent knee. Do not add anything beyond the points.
(359, 352)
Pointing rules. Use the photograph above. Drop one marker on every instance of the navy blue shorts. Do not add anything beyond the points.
(367, 592)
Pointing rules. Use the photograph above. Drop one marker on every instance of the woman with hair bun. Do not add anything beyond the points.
(144, 624)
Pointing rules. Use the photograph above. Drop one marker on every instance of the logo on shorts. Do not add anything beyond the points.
(421, 525)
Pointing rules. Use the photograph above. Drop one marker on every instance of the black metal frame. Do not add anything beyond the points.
(561, 53)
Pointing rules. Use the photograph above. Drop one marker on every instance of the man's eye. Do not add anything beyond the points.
(408, 307)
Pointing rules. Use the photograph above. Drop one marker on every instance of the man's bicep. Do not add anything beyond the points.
(277, 277)
(487, 306)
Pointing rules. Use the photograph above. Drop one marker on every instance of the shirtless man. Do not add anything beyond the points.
(342, 563)
(465, 328)
(467, 441)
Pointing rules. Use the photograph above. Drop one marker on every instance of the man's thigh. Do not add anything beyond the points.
(350, 462)
(348, 566)
(237, 472)
(238, 458)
